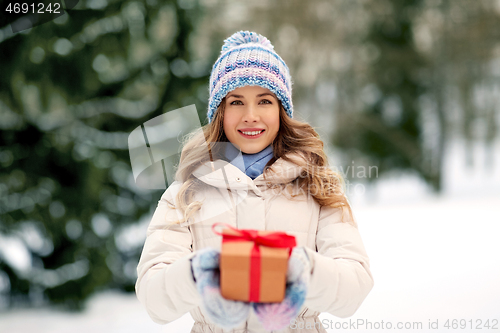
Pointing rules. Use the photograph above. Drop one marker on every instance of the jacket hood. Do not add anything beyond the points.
(223, 174)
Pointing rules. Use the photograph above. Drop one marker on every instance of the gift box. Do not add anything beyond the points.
(253, 264)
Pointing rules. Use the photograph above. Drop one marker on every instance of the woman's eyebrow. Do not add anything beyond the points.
(264, 94)
(260, 95)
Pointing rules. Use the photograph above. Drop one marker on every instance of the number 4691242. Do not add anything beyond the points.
(471, 324)
(40, 8)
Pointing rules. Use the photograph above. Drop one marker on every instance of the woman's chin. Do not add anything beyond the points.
(252, 149)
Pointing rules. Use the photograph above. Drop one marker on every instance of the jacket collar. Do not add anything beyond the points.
(223, 174)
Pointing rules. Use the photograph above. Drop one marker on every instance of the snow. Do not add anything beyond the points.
(110, 311)
(433, 258)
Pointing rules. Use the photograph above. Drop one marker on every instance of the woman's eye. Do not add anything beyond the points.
(265, 101)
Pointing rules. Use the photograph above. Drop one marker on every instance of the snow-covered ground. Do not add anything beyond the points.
(433, 259)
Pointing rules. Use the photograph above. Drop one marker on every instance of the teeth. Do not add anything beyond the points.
(252, 133)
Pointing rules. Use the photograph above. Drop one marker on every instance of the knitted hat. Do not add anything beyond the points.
(248, 59)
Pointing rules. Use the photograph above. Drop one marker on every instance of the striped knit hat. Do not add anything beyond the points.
(248, 59)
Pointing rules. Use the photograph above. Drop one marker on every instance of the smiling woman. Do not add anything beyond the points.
(284, 185)
(251, 118)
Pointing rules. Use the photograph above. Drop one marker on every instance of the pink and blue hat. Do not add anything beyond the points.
(249, 59)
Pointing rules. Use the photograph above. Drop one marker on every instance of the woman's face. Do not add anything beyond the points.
(251, 118)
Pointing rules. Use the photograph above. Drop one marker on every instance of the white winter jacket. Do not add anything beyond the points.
(340, 273)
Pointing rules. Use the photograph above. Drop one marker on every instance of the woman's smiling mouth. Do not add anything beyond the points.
(251, 134)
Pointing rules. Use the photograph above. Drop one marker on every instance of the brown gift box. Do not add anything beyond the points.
(235, 269)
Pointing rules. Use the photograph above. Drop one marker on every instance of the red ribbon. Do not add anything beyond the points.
(277, 239)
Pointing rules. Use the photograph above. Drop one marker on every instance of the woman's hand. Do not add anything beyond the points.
(225, 313)
(276, 316)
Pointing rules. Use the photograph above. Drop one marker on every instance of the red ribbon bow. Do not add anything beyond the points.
(277, 239)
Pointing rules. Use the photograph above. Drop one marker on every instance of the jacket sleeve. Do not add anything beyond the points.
(165, 285)
(340, 271)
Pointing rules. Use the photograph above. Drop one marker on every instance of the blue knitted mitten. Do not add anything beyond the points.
(276, 316)
(223, 312)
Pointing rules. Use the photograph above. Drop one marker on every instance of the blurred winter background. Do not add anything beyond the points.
(405, 94)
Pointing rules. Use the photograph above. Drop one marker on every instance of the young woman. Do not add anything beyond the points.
(254, 167)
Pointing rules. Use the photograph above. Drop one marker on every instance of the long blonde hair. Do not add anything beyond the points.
(294, 136)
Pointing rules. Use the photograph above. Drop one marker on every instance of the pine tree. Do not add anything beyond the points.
(71, 91)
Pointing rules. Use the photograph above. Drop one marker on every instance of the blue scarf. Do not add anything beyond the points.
(251, 164)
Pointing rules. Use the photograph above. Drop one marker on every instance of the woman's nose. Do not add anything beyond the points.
(251, 114)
